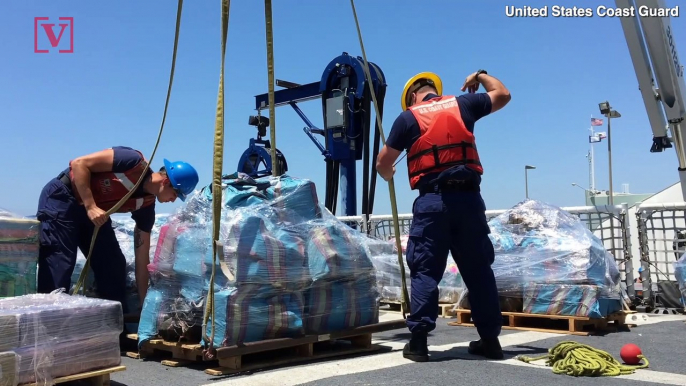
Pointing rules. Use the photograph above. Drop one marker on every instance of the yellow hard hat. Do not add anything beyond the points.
(417, 81)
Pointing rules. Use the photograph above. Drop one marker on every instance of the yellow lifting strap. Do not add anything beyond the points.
(217, 201)
(270, 73)
(405, 301)
(81, 282)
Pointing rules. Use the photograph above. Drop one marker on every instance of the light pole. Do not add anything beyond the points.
(607, 111)
(526, 178)
(588, 193)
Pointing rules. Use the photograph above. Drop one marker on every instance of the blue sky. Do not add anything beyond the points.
(111, 90)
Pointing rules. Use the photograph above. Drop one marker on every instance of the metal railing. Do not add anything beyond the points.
(662, 240)
(609, 223)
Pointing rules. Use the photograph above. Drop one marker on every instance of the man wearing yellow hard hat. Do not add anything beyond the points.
(449, 213)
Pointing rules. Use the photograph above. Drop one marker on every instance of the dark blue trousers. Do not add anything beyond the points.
(455, 222)
(65, 226)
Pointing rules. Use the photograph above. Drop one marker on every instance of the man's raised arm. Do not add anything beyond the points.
(500, 95)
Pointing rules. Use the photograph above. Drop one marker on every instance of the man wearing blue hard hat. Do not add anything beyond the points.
(74, 202)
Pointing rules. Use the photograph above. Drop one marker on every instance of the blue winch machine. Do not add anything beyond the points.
(347, 106)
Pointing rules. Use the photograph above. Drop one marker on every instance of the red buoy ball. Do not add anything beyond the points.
(630, 353)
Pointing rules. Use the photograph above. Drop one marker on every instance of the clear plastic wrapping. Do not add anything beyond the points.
(287, 267)
(385, 258)
(548, 261)
(18, 254)
(680, 273)
(46, 336)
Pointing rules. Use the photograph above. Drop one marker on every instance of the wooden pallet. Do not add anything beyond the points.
(445, 309)
(269, 353)
(572, 325)
(92, 378)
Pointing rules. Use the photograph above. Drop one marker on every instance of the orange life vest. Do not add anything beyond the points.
(110, 187)
(444, 140)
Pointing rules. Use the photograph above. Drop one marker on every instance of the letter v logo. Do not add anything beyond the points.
(53, 38)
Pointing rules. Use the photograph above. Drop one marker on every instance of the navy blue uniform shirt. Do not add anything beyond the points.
(405, 129)
(126, 158)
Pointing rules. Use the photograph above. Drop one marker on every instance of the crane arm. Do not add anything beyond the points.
(651, 40)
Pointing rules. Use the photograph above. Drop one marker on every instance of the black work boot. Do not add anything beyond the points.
(417, 350)
(489, 348)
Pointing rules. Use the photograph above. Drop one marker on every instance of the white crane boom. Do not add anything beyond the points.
(650, 39)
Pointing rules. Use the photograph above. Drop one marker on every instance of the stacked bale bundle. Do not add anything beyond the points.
(548, 262)
(286, 267)
(19, 245)
(46, 336)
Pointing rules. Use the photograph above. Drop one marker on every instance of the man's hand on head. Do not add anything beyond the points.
(471, 83)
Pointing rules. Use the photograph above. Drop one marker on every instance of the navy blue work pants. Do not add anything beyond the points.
(455, 222)
(65, 226)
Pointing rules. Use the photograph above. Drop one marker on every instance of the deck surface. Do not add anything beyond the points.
(451, 363)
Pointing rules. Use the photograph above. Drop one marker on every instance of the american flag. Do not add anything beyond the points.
(596, 122)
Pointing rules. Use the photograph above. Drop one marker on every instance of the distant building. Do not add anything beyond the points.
(602, 197)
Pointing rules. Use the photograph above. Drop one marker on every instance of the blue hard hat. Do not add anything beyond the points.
(182, 176)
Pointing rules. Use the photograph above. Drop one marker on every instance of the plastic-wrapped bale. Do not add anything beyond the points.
(343, 292)
(18, 254)
(56, 335)
(334, 253)
(251, 281)
(561, 299)
(174, 303)
(680, 273)
(263, 279)
(294, 200)
(547, 259)
(385, 260)
(9, 368)
(252, 313)
(259, 280)
(264, 264)
(258, 251)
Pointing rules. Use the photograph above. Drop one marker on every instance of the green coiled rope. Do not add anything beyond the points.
(581, 360)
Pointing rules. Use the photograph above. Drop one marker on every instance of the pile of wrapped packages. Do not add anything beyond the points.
(286, 267)
(18, 254)
(548, 262)
(46, 336)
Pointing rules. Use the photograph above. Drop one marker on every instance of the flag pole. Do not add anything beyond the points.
(591, 161)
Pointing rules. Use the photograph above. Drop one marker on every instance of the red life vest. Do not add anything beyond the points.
(110, 187)
(444, 140)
